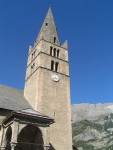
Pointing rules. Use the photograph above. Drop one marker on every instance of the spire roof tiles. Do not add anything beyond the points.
(49, 30)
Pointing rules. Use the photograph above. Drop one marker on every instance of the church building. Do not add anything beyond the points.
(39, 117)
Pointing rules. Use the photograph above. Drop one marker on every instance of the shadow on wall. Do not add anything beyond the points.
(74, 148)
(51, 147)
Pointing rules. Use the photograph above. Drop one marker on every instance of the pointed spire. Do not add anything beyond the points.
(41, 35)
(49, 30)
(65, 45)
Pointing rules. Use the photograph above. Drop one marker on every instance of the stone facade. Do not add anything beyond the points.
(39, 117)
(49, 59)
(26, 130)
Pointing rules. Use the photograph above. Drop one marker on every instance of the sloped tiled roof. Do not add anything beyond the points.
(32, 112)
(49, 31)
(30, 115)
(12, 99)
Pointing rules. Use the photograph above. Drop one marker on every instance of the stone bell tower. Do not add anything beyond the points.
(47, 85)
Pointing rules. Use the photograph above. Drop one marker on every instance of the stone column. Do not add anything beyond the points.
(3, 142)
(15, 130)
(13, 145)
(54, 66)
(46, 148)
(45, 133)
(2, 148)
(1, 136)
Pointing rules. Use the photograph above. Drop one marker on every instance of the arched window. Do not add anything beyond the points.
(32, 68)
(51, 50)
(8, 137)
(58, 53)
(52, 65)
(33, 55)
(54, 39)
(54, 52)
(56, 66)
(46, 24)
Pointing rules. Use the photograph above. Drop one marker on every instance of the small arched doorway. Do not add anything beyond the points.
(30, 138)
(8, 138)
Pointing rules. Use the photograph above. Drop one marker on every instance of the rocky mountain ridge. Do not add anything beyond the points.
(93, 126)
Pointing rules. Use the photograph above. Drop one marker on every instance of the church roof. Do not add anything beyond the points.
(48, 31)
(28, 114)
(12, 99)
(33, 113)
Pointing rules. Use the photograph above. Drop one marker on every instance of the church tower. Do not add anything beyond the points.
(47, 85)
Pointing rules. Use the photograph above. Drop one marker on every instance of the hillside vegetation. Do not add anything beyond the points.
(93, 133)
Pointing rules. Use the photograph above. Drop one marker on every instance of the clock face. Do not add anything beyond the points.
(55, 77)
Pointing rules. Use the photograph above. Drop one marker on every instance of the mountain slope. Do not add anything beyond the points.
(93, 126)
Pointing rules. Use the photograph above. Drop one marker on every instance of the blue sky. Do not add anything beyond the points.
(88, 27)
